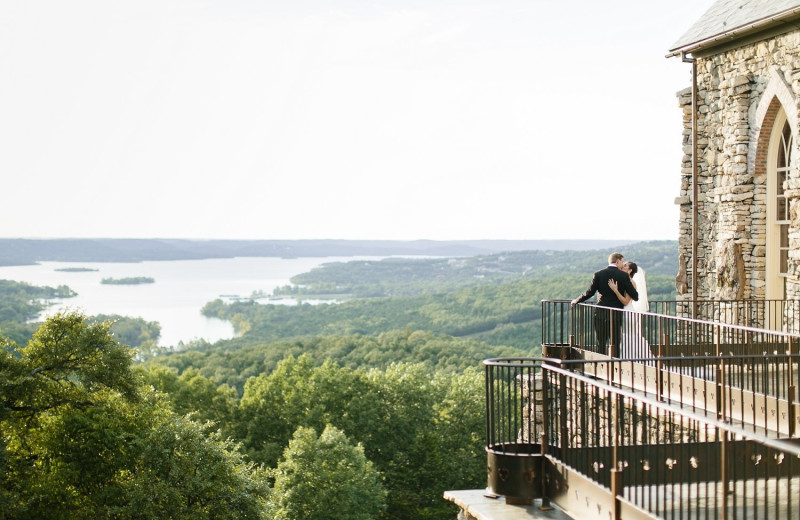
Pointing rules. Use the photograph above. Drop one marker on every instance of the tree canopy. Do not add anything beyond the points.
(83, 438)
(325, 477)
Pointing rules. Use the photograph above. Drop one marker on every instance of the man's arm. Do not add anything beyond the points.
(589, 292)
(630, 289)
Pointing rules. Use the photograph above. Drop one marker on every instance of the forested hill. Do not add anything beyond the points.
(410, 277)
(443, 313)
(17, 251)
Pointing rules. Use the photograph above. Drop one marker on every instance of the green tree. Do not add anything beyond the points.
(192, 393)
(325, 477)
(82, 438)
(184, 471)
(422, 430)
(135, 332)
(429, 439)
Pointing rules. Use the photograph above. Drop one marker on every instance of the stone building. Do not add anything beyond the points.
(740, 179)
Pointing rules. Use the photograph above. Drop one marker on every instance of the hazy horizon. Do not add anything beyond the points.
(322, 239)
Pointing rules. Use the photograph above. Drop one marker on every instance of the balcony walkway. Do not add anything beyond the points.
(703, 425)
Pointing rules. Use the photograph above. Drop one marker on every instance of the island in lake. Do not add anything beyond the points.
(134, 280)
(77, 270)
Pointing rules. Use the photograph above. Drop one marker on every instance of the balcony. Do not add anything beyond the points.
(678, 417)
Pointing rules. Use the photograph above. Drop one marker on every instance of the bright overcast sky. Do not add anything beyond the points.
(355, 119)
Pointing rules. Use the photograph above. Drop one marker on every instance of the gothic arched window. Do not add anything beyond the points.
(778, 165)
(781, 204)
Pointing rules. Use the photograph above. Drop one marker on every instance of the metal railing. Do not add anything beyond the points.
(653, 415)
(775, 315)
(736, 372)
(778, 315)
(597, 447)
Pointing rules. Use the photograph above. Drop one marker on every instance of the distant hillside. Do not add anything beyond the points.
(414, 276)
(18, 251)
(494, 298)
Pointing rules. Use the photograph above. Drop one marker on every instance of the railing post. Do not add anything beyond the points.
(574, 324)
(489, 382)
(616, 473)
(545, 506)
(612, 332)
(720, 386)
(616, 492)
(562, 412)
(660, 368)
(792, 391)
(723, 473)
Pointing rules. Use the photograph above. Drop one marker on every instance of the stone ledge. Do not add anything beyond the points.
(475, 505)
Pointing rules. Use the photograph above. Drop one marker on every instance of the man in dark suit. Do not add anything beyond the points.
(609, 323)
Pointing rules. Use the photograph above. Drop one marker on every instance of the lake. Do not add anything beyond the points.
(180, 290)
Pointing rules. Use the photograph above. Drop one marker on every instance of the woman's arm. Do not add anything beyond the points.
(614, 287)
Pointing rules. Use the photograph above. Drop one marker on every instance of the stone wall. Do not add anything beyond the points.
(737, 93)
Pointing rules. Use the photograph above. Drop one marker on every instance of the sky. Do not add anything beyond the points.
(347, 119)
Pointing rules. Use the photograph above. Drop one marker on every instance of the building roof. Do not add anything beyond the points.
(729, 19)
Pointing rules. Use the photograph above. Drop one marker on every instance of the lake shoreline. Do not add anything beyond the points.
(175, 300)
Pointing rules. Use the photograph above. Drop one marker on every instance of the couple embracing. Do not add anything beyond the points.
(617, 288)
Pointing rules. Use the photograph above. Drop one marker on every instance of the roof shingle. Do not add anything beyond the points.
(726, 16)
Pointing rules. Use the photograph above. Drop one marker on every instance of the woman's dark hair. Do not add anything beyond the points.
(633, 267)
